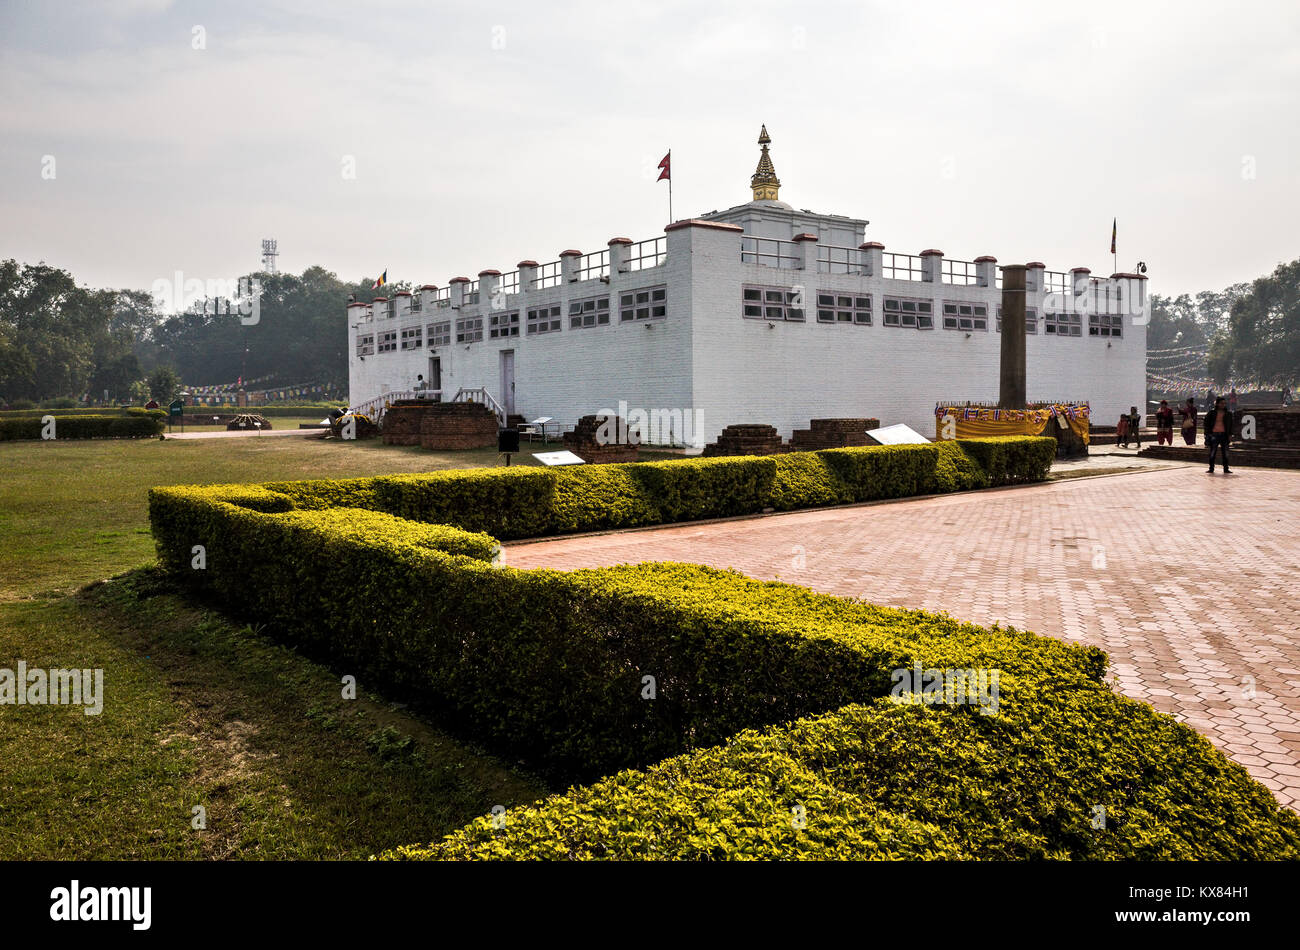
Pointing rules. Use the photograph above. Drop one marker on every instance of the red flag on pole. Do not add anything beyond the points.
(666, 166)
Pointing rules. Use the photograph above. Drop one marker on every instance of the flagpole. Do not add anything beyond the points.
(670, 186)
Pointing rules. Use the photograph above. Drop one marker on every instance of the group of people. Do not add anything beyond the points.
(1218, 425)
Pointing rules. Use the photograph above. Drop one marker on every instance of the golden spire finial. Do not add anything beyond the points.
(765, 183)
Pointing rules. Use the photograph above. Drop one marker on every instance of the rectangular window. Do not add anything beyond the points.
(772, 303)
(416, 305)
(1105, 324)
(592, 312)
(439, 334)
(844, 308)
(648, 304)
(909, 312)
(965, 316)
(1031, 320)
(387, 341)
(1063, 324)
(366, 345)
(502, 325)
(544, 319)
(413, 338)
(469, 330)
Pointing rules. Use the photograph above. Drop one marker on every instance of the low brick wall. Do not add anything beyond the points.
(456, 426)
(747, 439)
(832, 434)
(402, 422)
(582, 442)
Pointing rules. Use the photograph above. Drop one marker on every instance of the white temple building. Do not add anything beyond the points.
(761, 313)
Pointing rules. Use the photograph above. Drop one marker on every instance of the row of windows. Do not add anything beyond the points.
(413, 338)
(387, 341)
(779, 303)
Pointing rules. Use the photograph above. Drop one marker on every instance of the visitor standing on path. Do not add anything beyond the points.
(1164, 423)
(1188, 414)
(1218, 432)
(1134, 426)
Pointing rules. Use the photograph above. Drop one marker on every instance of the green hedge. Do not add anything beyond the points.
(900, 781)
(85, 426)
(550, 665)
(526, 502)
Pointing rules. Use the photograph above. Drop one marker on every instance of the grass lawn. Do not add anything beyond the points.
(197, 710)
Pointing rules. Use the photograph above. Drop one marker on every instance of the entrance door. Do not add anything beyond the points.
(435, 376)
(508, 380)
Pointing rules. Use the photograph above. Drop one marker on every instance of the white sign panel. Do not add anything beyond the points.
(558, 458)
(897, 435)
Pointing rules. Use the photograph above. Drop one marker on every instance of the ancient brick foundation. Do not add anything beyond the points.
(582, 442)
(748, 439)
(456, 426)
(402, 421)
(833, 434)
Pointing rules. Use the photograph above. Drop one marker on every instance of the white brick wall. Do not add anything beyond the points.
(705, 356)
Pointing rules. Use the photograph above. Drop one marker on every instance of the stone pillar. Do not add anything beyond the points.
(1011, 390)
(986, 271)
(488, 282)
(527, 276)
(932, 266)
(569, 265)
(618, 255)
(807, 251)
(458, 290)
(874, 252)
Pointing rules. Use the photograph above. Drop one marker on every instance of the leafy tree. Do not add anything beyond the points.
(1262, 338)
(164, 384)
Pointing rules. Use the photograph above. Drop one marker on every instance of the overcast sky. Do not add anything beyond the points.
(481, 134)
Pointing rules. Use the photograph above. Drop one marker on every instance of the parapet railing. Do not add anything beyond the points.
(646, 254)
(509, 283)
(593, 265)
(959, 273)
(549, 275)
(770, 252)
(901, 267)
(835, 259)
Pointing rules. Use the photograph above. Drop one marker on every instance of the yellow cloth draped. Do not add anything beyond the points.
(1031, 422)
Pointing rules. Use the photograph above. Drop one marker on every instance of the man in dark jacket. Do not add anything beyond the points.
(1218, 432)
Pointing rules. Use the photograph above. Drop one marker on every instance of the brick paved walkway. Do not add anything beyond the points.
(1188, 581)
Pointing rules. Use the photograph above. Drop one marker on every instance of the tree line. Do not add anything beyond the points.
(62, 342)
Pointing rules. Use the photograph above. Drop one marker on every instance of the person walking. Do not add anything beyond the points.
(1164, 423)
(1218, 432)
(1188, 415)
(1232, 401)
(1134, 426)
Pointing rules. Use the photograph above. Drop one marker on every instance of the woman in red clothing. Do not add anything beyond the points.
(1164, 423)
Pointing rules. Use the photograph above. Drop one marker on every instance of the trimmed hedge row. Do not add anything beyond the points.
(524, 502)
(60, 413)
(85, 427)
(550, 665)
(901, 781)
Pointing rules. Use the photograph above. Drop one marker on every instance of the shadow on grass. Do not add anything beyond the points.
(203, 711)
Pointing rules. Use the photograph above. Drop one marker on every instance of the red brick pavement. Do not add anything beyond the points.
(1187, 580)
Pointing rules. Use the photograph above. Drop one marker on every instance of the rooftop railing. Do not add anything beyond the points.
(901, 267)
(549, 275)
(960, 273)
(770, 252)
(646, 254)
(833, 259)
(593, 265)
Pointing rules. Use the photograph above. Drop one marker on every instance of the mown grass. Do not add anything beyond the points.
(197, 711)
(200, 712)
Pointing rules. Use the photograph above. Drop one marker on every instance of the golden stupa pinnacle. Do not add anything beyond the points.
(765, 183)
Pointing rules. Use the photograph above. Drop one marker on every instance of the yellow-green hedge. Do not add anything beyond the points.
(550, 666)
(1066, 770)
(525, 502)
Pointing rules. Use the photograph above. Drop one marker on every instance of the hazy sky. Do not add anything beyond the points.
(485, 133)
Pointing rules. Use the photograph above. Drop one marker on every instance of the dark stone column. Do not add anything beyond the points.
(1011, 393)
